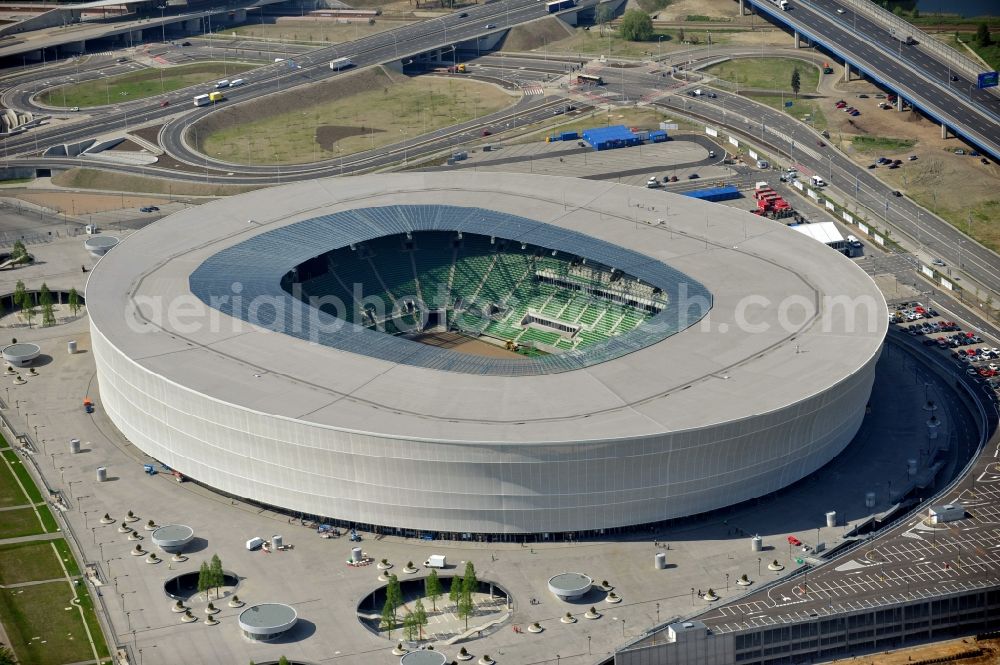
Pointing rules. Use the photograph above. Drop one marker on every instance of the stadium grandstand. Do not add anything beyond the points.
(534, 298)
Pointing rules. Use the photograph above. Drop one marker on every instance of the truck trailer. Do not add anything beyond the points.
(201, 100)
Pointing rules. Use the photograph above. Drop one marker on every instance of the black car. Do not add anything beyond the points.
(954, 78)
(871, 166)
(692, 176)
(897, 193)
(463, 15)
(185, 43)
(984, 160)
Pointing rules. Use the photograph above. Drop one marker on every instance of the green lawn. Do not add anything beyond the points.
(33, 494)
(28, 562)
(141, 84)
(768, 73)
(23, 522)
(44, 626)
(288, 134)
(610, 43)
(881, 144)
(10, 493)
(799, 108)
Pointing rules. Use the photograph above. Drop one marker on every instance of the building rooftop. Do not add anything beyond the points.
(768, 341)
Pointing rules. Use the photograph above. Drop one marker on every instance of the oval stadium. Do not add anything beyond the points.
(464, 353)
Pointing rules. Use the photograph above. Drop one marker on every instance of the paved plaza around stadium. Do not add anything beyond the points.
(325, 591)
(704, 552)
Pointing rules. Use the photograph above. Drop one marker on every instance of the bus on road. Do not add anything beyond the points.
(589, 79)
(559, 5)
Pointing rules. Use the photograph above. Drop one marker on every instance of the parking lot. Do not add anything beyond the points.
(980, 359)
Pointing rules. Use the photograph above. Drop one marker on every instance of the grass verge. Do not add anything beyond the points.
(27, 562)
(881, 144)
(379, 113)
(10, 493)
(19, 522)
(642, 118)
(105, 180)
(328, 32)
(141, 84)
(768, 73)
(800, 108)
(44, 627)
(34, 496)
(611, 44)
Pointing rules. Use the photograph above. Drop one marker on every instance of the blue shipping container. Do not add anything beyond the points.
(569, 136)
(659, 136)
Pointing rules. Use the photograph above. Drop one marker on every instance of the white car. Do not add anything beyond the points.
(652, 182)
(840, 10)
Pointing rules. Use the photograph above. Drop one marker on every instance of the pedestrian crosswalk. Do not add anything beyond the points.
(532, 89)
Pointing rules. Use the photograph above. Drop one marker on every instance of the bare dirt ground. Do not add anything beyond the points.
(328, 135)
(956, 187)
(463, 344)
(681, 9)
(107, 180)
(78, 203)
(990, 654)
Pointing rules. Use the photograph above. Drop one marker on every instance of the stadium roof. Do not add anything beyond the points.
(259, 263)
(762, 347)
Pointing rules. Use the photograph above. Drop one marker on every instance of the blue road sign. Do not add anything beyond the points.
(788, 104)
(989, 80)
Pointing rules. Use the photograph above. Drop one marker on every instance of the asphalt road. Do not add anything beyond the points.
(399, 44)
(909, 70)
(763, 125)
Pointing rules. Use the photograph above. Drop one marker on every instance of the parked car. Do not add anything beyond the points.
(692, 176)
(795, 542)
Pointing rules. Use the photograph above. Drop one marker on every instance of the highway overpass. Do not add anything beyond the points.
(940, 86)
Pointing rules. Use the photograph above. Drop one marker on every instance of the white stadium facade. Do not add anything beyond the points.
(516, 354)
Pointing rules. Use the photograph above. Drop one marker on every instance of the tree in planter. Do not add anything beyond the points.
(455, 589)
(432, 588)
(204, 578)
(45, 302)
(74, 301)
(465, 607)
(388, 618)
(796, 81)
(218, 577)
(419, 616)
(409, 626)
(283, 661)
(20, 293)
(28, 312)
(393, 593)
(19, 253)
(469, 582)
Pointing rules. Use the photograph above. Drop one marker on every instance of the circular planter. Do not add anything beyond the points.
(486, 660)
(188, 617)
(711, 597)
(410, 571)
(235, 602)
(178, 558)
(384, 566)
(211, 610)
(568, 619)
(132, 535)
(178, 609)
(399, 650)
(744, 582)
(151, 526)
(592, 614)
(210, 621)
(774, 565)
(138, 551)
(613, 598)
(535, 628)
(153, 559)
(18, 381)
(465, 656)
(107, 520)
(131, 518)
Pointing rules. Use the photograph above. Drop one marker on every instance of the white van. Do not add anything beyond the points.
(236, 82)
(853, 242)
(255, 543)
(435, 561)
(816, 181)
(224, 83)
